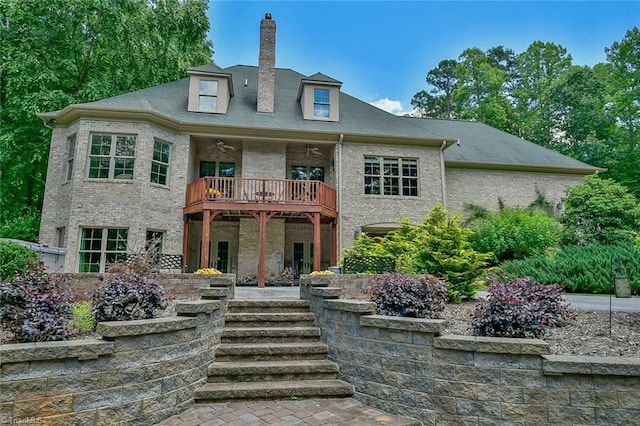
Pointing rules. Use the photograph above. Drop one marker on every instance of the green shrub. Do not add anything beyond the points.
(127, 296)
(514, 233)
(83, 320)
(520, 308)
(581, 269)
(438, 246)
(15, 259)
(600, 211)
(36, 306)
(402, 296)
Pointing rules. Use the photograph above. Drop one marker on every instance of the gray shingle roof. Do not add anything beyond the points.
(486, 145)
(479, 143)
(356, 116)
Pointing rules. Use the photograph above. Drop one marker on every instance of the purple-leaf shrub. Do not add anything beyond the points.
(402, 296)
(128, 296)
(520, 308)
(36, 306)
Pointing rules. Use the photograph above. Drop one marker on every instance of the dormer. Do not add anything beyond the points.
(319, 98)
(209, 89)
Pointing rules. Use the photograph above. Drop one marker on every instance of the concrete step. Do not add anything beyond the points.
(270, 334)
(273, 389)
(214, 292)
(272, 319)
(255, 371)
(270, 351)
(264, 306)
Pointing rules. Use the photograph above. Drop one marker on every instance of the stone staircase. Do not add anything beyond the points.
(271, 349)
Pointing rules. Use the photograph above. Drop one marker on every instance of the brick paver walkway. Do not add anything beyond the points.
(320, 411)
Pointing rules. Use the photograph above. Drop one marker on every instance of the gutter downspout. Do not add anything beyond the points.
(442, 174)
(340, 183)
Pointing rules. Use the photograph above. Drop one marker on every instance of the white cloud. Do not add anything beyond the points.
(394, 107)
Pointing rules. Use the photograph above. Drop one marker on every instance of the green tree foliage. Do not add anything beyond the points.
(15, 259)
(61, 52)
(582, 269)
(600, 211)
(589, 113)
(438, 246)
(514, 233)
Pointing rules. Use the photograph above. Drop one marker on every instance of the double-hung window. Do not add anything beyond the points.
(99, 247)
(112, 156)
(208, 96)
(160, 162)
(391, 176)
(321, 103)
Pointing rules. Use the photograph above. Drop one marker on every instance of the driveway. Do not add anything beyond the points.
(596, 302)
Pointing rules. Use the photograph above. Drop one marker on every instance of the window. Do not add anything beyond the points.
(71, 149)
(112, 160)
(99, 247)
(208, 96)
(160, 162)
(321, 103)
(307, 173)
(391, 176)
(224, 169)
(155, 240)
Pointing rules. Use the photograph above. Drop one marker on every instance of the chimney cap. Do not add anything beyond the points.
(267, 15)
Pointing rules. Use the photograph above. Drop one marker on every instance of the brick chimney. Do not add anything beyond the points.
(266, 65)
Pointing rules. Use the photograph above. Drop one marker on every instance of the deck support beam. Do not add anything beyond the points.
(207, 217)
(263, 217)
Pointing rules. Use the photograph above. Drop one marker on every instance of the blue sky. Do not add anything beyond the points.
(382, 50)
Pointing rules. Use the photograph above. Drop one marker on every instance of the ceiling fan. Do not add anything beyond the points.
(222, 147)
(312, 152)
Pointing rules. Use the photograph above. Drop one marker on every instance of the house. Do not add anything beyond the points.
(253, 169)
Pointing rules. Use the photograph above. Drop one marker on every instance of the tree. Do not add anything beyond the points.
(600, 211)
(60, 52)
(537, 69)
(438, 102)
(624, 90)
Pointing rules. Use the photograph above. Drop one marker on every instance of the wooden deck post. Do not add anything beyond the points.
(206, 235)
(317, 244)
(334, 242)
(262, 260)
(185, 242)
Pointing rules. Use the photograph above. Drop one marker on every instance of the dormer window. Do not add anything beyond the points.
(210, 90)
(321, 103)
(208, 98)
(319, 98)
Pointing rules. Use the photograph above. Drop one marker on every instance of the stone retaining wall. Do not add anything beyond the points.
(176, 286)
(407, 366)
(139, 373)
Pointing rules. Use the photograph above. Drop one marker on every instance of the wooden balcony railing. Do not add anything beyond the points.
(241, 190)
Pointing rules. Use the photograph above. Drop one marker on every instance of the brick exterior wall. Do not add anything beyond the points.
(139, 205)
(484, 187)
(136, 204)
(357, 209)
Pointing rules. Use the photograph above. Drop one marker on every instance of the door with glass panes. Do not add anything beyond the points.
(302, 258)
(221, 256)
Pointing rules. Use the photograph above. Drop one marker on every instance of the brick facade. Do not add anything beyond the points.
(140, 205)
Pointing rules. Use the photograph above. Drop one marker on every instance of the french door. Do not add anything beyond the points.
(302, 258)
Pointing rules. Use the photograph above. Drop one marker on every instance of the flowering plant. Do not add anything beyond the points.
(213, 193)
(322, 273)
(208, 271)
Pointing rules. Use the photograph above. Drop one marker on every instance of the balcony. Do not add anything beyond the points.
(247, 194)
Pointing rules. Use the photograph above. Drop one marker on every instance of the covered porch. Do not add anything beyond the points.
(262, 200)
